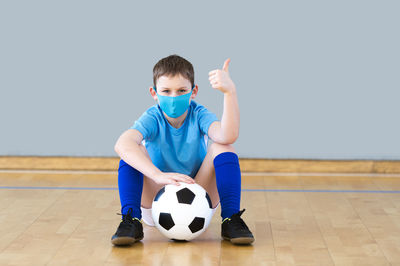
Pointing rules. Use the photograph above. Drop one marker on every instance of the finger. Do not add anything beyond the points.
(214, 80)
(191, 179)
(173, 182)
(213, 77)
(215, 84)
(213, 72)
(187, 179)
(180, 178)
(226, 65)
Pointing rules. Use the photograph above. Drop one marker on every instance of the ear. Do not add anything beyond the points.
(194, 92)
(153, 93)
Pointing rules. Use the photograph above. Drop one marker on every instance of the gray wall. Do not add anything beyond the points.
(315, 79)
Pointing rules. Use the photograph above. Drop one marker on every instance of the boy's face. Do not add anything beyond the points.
(173, 86)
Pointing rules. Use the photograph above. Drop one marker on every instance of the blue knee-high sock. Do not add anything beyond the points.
(130, 186)
(227, 173)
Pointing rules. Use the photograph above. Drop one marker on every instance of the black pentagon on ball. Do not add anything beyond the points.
(197, 224)
(209, 200)
(165, 220)
(159, 194)
(185, 196)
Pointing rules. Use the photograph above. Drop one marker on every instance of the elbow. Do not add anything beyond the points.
(234, 137)
(230, 139)
(117, 148)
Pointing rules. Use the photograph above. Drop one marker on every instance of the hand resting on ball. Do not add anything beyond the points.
(171, 178)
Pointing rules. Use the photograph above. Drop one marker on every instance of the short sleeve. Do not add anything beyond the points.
(147, 125)
(205, 118)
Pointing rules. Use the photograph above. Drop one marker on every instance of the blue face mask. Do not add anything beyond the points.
(174, 106)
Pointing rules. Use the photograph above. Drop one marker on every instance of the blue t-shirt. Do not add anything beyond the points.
(180, 150)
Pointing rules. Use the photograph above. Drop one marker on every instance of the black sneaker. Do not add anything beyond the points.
(235, 230)
(129, 230)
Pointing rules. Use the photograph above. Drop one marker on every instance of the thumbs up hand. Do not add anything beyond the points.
(220, 79)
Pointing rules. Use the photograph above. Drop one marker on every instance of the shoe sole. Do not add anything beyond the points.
(124, 240)
(240, 240)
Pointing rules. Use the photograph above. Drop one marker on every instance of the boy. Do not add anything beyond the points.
(175, 133)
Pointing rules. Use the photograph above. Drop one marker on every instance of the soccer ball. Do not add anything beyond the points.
(182, 212)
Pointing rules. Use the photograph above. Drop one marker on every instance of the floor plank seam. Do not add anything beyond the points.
(23, 232)
(369, 232)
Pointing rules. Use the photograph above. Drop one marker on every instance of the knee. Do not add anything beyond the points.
(216, 148)
(122, 163)
(124, 167)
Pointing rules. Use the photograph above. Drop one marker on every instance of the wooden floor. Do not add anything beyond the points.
(55, 218)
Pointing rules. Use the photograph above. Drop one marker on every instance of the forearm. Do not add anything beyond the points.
(131, 153)
(230, 117)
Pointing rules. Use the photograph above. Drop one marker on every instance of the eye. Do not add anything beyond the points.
(182, 90)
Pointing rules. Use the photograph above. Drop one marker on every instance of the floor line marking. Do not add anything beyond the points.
(244, 190)
(243, 173)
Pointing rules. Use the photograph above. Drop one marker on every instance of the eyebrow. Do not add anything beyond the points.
(178, 89)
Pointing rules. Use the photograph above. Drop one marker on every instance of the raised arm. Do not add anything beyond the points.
(226, 131)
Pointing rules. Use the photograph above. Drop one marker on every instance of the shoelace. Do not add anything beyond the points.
(127, 218)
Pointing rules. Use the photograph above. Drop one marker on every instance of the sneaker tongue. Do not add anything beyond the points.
(238, 214)
(239, 223)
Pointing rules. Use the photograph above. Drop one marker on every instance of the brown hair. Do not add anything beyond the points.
(173, 65)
